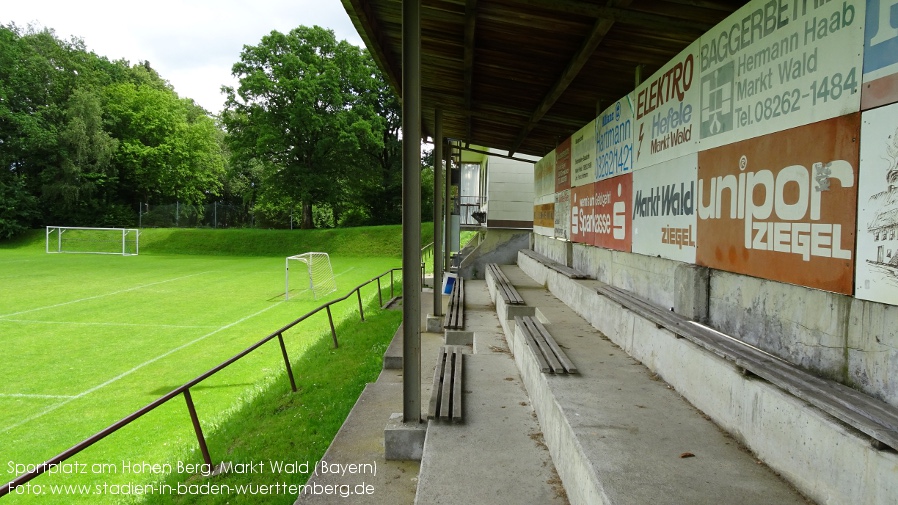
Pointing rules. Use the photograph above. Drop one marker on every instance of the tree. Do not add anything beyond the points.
(167, 149)
(18, 208)
(87, 139)
(298, 112)
(85, 169)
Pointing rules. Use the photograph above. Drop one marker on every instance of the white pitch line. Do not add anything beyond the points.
(26, 395)
(129, 372)
(101, 296)
(76, 323)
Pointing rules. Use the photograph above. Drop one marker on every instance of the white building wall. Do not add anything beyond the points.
(510, 193)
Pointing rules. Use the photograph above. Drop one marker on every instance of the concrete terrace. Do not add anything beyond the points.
(616, 432)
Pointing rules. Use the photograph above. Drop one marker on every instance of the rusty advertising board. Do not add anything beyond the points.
(583, 147)
(544, 176)
(664, 209)
(880, 54)
(563, 166)
(666, 111)
(783, 206)
(544, 216)
(601, 213)
(774, 65)
(614, 140)
(877, 220)
(563, 215)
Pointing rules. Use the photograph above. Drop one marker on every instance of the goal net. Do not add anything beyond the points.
(73, 239)
(318, 273)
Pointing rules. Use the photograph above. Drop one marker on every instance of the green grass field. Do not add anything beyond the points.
(88, 339)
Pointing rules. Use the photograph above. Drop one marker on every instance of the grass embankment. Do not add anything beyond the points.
(382, 241)
(279, 427)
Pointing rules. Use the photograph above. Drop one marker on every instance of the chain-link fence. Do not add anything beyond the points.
(179, 215)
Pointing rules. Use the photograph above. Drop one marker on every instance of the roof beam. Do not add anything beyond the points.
(470, 26)
(619, 14)
(592, 41)
(366, 24)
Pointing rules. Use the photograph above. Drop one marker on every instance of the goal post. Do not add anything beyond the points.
(86, 240)
(320, 273)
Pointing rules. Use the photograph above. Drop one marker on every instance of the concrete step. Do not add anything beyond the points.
(618, 433)
(497, 455)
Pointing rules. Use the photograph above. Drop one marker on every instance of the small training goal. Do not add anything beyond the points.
(319, 272)
(75, 239)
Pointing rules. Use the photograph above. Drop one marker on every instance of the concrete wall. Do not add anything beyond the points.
(835, 336)
(824, 459)
(559, 250)
(497, 246)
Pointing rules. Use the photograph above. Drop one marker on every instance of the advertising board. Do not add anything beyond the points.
(774, 65)
(880, 54)
(664, 209)
(583, 147)
(783, 206)
(563, 166)
(877, 220)
(562, 215)
(614, 140)
(666, 111)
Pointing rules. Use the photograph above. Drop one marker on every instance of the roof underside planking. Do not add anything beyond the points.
(523, 75)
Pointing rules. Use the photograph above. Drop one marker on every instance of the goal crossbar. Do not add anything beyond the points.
(321, 274)
(90, 240)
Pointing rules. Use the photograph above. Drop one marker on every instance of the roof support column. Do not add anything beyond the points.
(411, 210)
(437, 211)
(447, 204)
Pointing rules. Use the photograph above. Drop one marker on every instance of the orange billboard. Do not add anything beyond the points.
(544, 216)
(783, 206)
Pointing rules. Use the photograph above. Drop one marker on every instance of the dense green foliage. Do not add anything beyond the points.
(84, 139)
(314, 123)
(309, 137)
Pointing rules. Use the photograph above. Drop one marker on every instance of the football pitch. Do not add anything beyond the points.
(87, 339)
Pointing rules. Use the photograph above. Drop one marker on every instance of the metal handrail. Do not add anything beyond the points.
(185, 388)
(426, 252)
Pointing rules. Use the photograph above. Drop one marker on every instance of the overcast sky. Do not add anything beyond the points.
(191, 43)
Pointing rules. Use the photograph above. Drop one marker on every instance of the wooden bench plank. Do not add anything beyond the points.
(528, 338)
(448, 380)
(561, 268)
(548, 353)
(437, 382)
(504, 286)
(455, 315)
(458, 372)
(543, 346)
(562, 357)
(873, 417)
(446, 393)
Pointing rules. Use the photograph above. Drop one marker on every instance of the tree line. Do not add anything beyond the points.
(310, 135)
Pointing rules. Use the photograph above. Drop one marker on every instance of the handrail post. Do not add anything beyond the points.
(287, 362)
(380, 294)
(330, 319)
(197, 428)
(361, 310)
